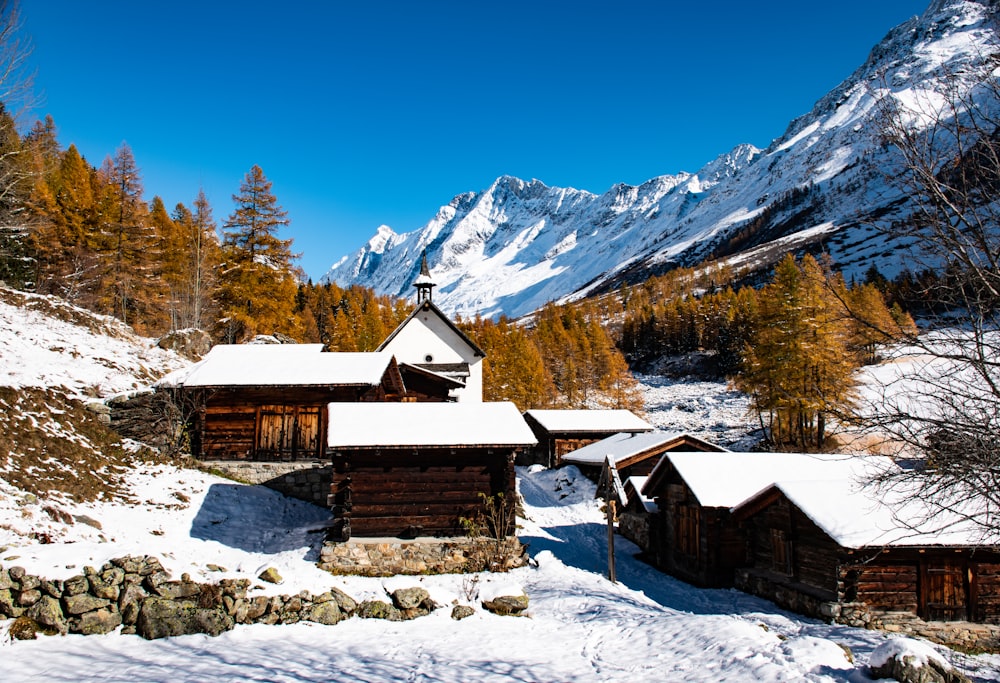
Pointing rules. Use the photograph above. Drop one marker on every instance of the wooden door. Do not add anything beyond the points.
(307, 432)
(275, 433)
(945, 590)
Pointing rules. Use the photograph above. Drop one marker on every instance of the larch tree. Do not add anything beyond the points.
(257, 279)
(797, 368)
(200, 257)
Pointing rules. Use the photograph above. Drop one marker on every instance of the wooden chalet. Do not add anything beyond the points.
(268, 401)
(409, 470)
(562, 431)
(828, 547)
(633, 454)
(693, 534)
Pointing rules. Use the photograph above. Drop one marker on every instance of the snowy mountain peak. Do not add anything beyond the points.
(519, 244)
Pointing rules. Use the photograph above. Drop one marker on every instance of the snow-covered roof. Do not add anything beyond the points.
(637, 483)
(243, 365)
(590, 421)
(371, 425)
(727, 479)
(622, 446)
(856, 515)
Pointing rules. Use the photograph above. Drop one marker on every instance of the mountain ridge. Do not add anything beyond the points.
(518, 244)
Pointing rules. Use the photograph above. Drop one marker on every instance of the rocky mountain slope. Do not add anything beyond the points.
(825, 182)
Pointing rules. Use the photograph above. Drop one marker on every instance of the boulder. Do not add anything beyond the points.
(324, 613)
(377, 609)
(912, 661)
(504, 605)
(459, 612)
(84, 602)
(270, 575)
(161, 618)
(48, 613)
(190, 343)
(100, 621)
(409, 598)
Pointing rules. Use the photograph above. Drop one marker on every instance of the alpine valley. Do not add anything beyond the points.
(825, 185)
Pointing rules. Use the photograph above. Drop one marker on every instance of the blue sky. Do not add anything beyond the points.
(364, 113)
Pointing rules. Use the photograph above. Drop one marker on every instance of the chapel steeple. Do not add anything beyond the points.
(423, 283)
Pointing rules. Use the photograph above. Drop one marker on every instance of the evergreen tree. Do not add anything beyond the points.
(257, 281)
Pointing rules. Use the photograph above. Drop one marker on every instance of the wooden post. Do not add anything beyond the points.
(611, 539)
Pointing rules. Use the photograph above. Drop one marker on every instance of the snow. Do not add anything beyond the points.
(900, 648)
(747, 474)
(427, 424)
(582, 627)
(589, 420)
(620, 447)
(857, 515)
(240, 365)
(101, 358)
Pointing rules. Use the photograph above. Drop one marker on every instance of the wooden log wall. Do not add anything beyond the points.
(882, 585)
(425, 493)
(986, 592)
(228, 424)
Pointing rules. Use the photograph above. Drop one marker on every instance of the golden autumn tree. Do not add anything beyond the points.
(257, 279)
(797, 368)
(513, 370)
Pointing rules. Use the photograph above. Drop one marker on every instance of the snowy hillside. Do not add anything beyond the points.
(516, 245)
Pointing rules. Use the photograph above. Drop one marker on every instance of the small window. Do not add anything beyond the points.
(428, 358)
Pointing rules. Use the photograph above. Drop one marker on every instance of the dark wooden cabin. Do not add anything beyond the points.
(267, 402)
(634, 454)
(816, 542)
(409, 470)
(694, 535)
(562, 431)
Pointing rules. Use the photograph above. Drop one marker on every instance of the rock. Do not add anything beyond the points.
(236, 588)
(53, 589)
(345, 602)
(161, 618)
(459, 612)
(324, 613)
(176, 590)
(16, 574)
(409, 598)
(504, 605)
(377, 609)
(911, 661)
(190, 343)
(28, 598)
(129, 600)
(5, 581)
(76, 585)
(107, 584)
(100, 621)
(48, 612)
(7, 606)
(84, 602)
(270, 575)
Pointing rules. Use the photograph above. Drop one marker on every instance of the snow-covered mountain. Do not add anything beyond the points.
(519, 244)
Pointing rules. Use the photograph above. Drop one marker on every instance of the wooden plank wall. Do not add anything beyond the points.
(427, 493)
(890, 585)
(227, 425)
(986, 592)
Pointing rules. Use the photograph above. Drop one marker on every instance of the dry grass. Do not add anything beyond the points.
(51, 443)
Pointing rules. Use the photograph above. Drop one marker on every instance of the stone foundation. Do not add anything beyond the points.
(306, 480)
(962, 635)
(388, 557)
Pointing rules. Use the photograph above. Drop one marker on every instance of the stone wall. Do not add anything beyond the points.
(138, 596)
(306, 480)
(389, 557)
(962, 635)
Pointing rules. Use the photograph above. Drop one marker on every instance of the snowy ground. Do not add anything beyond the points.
(581, 627)
(709, 410)
(647, 627)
